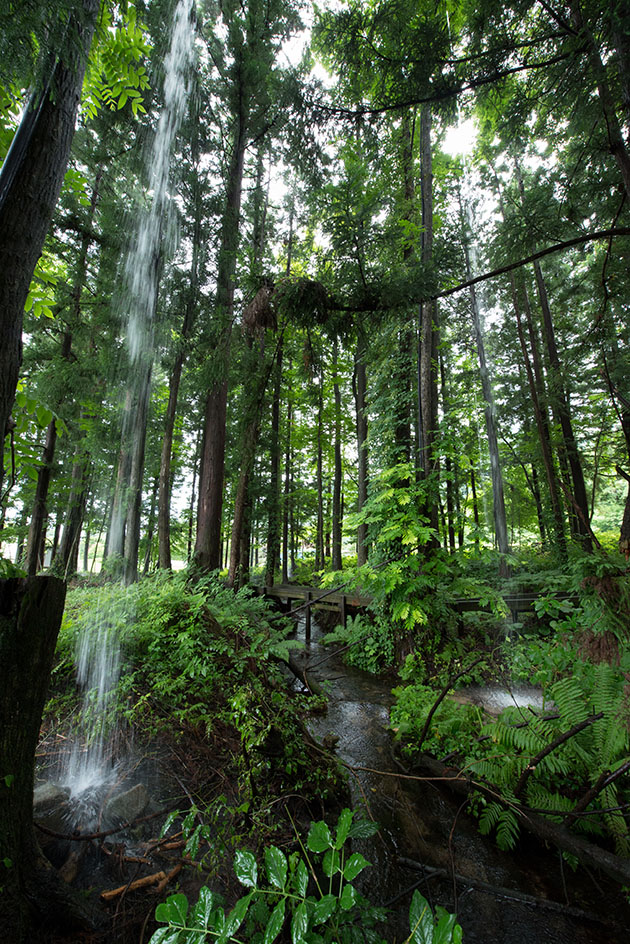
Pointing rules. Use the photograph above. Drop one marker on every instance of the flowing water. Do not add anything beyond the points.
(90, 763)
(427, 838)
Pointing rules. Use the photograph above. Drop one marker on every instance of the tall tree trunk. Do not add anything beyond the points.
(362, 445)
(320, 558)
(69, 548)
(428, 340)
(338, 472)
(498, 499)
(286, 505)
(561, 403)
(165, 483)
(30, 182)
(273, 529)
(542, 424)
(34, 550)
(212, 467)
(136, 471)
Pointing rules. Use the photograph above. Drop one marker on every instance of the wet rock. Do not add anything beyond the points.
(51, 811)
(127, 806)
(47, 797)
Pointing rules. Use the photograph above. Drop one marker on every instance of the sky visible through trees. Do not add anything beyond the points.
(332, 191)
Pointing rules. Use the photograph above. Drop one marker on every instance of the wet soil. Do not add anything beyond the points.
(428, 840)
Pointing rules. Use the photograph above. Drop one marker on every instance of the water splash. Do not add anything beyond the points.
(91, 762)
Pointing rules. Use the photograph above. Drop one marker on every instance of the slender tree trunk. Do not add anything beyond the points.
(448, 465)
(428, 339)
(286, 505)
(560, 399)
(212, 467)
(320, 558)
(475, 504)
(542, 426)
(136, 472)
(338, 473)
(34, 559)
(273, 529)
(498, 499)
(74, 515)
(362, 445)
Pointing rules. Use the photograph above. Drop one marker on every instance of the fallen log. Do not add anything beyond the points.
(587, 853)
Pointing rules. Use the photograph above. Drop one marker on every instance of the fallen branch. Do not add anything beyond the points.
(451, 681)
(132, 886)
(543, 829)
(604, 780)
(561, 739)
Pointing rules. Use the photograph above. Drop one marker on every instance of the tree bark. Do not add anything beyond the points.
(337, 480)
(34, 549)
(362, 445)
(273, 528)
(320, 558)
(30, 196)
(32, 894)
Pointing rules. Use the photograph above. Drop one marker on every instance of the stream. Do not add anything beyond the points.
(527, 895)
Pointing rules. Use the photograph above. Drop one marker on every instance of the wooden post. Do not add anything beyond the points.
(342, 610)
(309, 597)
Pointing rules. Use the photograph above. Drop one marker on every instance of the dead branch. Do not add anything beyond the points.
(561, 739)
(451, 681)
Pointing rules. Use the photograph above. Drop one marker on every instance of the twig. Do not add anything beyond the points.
(561, 739)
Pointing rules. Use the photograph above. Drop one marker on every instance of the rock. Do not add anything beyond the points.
(127, 806)
(48, 796)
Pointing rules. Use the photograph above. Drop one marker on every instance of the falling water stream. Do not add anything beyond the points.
(90, 764)
(524, 897)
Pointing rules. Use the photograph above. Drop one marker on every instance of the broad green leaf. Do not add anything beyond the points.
(274, 925)
(420, 920)
(207, 902)
(446, 929)
(300, 879)
(319, 838)
(363, 829)
(246, 869)
(324, 908)
(354, 866)
(348, 897)
(173, 910)
(299, 924)
(276, 864)
(343, 827)
(166, 936)
(236, 916)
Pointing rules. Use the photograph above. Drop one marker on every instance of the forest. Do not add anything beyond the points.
(306, 301)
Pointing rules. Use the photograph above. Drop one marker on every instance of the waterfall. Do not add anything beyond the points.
(141, 279)
(91, 761)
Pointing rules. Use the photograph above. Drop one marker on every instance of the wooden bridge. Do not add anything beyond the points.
(337, 599)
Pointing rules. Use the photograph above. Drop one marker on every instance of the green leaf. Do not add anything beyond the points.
(274, 925)
(166, 936)
(324, 908)
(276, 864)
(343, 827)
(331, 863)
(348, 897)
(170, 819)
(8, 780)
(246, 869)
(420, 920)
(445, 931)
(173, 910)
(319, 838)
(299, 925)
(236, 916)
(354, 866)
(363, 829)
(201, 913)
(300, 879)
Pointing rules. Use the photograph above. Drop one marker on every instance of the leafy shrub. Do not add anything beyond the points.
(311, 893)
